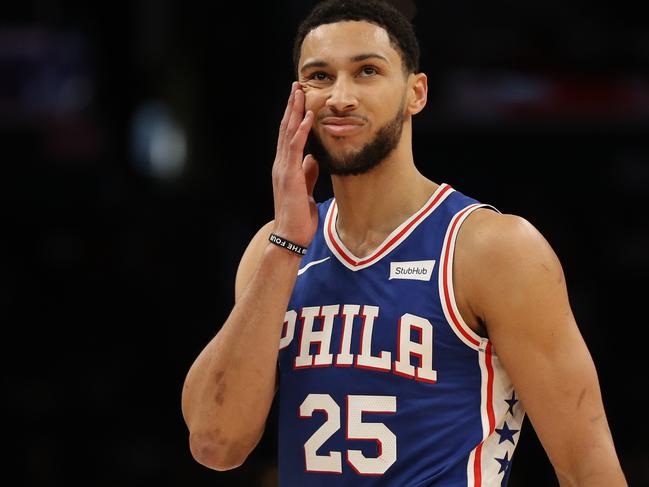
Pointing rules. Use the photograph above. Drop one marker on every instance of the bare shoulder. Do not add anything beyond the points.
(496, 239)
(251, 258)
(500, 256)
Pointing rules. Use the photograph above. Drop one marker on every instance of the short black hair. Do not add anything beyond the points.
(400, 30)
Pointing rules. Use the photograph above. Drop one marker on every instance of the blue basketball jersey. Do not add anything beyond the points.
(381, 380)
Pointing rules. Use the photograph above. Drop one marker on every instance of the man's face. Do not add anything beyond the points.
(354, 83)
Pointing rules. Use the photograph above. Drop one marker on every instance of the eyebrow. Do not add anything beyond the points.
(354, 59)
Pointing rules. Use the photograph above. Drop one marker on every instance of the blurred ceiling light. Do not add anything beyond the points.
(158, 142)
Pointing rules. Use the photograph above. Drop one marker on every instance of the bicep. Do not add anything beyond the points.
(250, 259)
(248, 265)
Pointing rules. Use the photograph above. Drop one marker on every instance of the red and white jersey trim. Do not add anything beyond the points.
(402, 232)
(479, 460)
(446, 292)
(483, 469)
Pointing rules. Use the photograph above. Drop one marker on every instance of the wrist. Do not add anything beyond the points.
(281, 255)
(288, 245)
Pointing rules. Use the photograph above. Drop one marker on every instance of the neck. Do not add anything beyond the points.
(372, 205)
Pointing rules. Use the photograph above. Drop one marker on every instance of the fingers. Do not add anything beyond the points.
(297, 143)
(294, 128)
(297, 112)
(287, 112)
(311, 170)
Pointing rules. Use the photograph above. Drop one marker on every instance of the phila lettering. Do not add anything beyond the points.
(315, 325)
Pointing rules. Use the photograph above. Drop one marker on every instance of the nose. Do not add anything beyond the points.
(342, 97)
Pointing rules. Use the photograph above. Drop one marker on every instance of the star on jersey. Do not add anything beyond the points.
(505, 463)
(506, 434)
(512, 401)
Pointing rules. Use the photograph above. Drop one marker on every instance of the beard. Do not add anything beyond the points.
(367, 157)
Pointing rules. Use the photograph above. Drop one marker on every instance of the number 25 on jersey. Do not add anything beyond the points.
(356, 430)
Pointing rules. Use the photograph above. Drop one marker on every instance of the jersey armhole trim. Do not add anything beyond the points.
(446, 290)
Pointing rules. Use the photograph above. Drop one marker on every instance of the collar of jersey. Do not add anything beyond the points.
(402, 232)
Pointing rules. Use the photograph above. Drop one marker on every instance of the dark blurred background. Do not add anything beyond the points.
(136, 144)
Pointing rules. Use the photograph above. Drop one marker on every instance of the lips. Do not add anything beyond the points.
(342, 125)
(342, 129)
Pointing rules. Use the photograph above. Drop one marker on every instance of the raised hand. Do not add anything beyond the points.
(296, 214)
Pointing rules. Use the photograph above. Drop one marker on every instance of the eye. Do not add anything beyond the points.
(369, 70)
(318, 76)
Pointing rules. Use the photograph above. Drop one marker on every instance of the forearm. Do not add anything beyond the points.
(230, 387)
(596, 466)
(595, 476)
(595, 479)
(574, 431)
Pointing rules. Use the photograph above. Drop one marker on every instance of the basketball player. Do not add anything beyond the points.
(418, 327)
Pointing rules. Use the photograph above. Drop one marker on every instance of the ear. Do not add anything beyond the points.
(417, 93)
